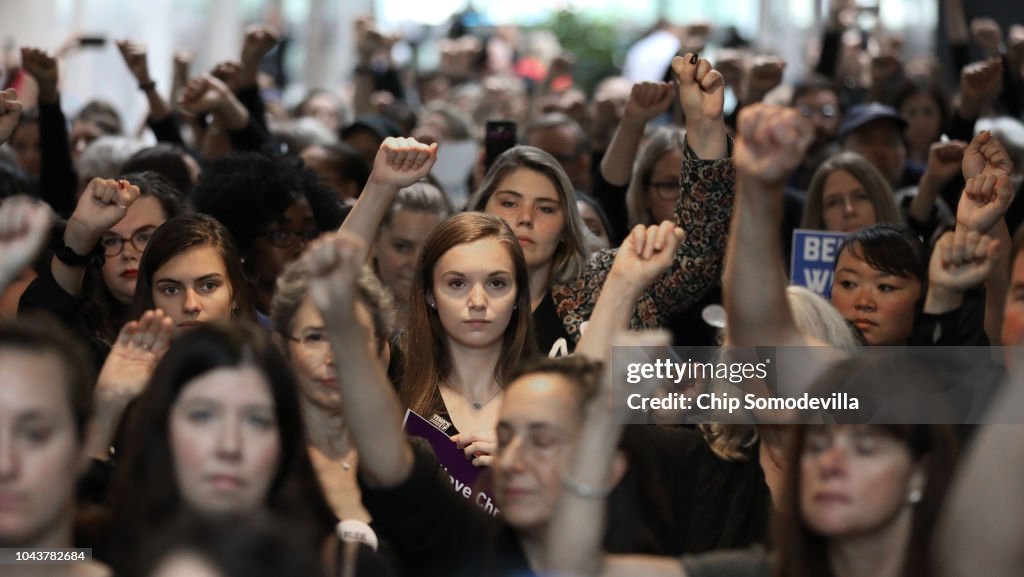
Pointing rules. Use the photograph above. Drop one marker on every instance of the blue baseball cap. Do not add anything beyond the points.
(862, 114)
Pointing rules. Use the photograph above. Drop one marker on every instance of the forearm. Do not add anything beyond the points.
(369, 210)
(612, 312)
(998, 283)
(754, 287)
(924, 201)
(617, 164)
(942, 299)
(107, 419)
(577, 529)
(372, 410)
(158, 107)
(707, 138)
(57, 179)
(82, 241)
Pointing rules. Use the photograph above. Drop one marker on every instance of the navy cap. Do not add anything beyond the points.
(381, 126)
(864, 113)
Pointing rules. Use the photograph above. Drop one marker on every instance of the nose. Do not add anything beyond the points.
(8, 459)
(848, 206)
(833, 461)
(525, 217)
(864, 300)
(229, 439)
(477, 297)
(129, 252)
(510, 458)
(192, 304)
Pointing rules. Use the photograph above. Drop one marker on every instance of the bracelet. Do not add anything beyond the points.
(147, 85)
(71, 258)
(585, 491)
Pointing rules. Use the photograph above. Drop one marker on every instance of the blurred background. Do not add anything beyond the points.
(320, 46)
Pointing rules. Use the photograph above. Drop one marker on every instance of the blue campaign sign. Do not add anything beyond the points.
(814, 251)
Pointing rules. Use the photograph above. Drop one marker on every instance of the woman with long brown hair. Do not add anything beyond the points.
(470, 325)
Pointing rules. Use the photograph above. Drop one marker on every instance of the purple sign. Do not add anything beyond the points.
(461, 472)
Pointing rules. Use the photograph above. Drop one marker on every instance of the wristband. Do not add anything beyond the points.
(147, 85)
(71, 258)
(585, 491)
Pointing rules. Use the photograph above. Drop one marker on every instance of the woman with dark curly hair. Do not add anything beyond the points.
(272, 207)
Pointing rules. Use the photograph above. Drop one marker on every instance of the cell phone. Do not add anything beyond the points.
(501, 136)
(94, 41)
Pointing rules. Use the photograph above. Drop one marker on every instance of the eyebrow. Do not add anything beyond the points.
(212, 275)
(489, 275)
(878, 273)
(186, 402)
(520, 195)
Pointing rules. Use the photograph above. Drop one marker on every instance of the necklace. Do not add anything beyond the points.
(477, 405)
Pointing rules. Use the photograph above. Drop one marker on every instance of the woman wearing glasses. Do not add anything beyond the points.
(115, 218)
(272, 207)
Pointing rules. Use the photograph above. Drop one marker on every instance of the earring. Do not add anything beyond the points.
(915, 496)
(433, 305)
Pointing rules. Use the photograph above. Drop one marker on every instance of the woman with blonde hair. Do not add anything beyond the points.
(847, 194)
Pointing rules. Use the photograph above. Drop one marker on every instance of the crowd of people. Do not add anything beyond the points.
(208, 346)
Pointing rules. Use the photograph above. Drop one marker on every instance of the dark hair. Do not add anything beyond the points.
(429, 360)
(146, 495)
(804, 553)
(180, 235)
(814, 83)
(934, 91)
(347, 163)
(165, 159)
(558, 120)
(171, 198)
(889, 248)
(248, 191)
(102, 114)
(101, 315)
(243, 546)
(42, 336)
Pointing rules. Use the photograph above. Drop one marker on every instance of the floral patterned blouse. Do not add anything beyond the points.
(703, 212)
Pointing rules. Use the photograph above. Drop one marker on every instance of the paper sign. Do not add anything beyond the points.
(461, 472)
(814, 252)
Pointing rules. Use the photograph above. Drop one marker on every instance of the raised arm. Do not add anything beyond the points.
(102, 205)
(399, 163)
(771, 141)
(24, 224)
(646, 101)
(372, 411)
(645, 254)
(576, 530)
(134, 55)
(57, 179)
(986, 198)
(125, 374)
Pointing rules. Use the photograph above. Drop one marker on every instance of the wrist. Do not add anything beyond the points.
(942, 299)
(48, 95)
(79, 237)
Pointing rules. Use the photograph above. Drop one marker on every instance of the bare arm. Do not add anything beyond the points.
(771, 140)
(372, 411)
(646, 101)
(399, 163)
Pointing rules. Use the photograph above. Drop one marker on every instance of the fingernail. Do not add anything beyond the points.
(693, 59)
